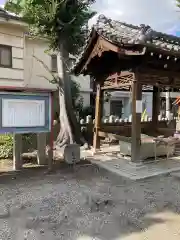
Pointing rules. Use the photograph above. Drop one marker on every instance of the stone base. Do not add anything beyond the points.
(109, 158)
(132, 171)
(148, 148)
(72, 153)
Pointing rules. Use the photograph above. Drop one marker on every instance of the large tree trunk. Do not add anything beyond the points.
(69, 127)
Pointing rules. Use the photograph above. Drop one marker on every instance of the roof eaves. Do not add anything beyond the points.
(92, 34)
(121, 33)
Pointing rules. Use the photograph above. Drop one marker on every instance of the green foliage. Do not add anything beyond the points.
(79, 105)
(178, 3)
(64, 23)
(5, 138)
(14, 6)
(89, 110)
(27, 139)
(58, 20)
(77, 99)
(6, 146)
(75, 90)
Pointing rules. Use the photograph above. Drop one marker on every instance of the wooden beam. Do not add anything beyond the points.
(164, 52)
(155, 109)
(159, 72)
(113, 136)
(108, 46)
(17, 152)
(98, 114)
(41, 148)
(136, 120)
(160, 85)
(118, 74)
(116, 86)
(100, 46)
(167, 130)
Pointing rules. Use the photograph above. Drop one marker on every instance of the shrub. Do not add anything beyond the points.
(89, 110)
(6, 146)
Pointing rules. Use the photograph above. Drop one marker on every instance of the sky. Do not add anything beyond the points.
(162, 15)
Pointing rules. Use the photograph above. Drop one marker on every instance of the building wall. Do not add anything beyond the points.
(125, 98)
(13, 35)
(35, 74)
(106, 109)
(127, 107)
(172, 94)
(86, 98)
(85, 90)
(26, 71)
(147, 99)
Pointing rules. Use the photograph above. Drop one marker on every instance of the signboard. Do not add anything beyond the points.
(24, 113)
(138, 106)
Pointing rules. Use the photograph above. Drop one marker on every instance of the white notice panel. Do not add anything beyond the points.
(138, 106)
(23, 113)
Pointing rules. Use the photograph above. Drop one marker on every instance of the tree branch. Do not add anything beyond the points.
(51, 81)
(56, 79)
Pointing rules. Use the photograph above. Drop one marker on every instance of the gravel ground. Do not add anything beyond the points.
(88, 203)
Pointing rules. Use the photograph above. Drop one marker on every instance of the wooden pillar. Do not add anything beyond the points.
(136, 120)
(41, 147)
(155, 109)
(17, 151)
(98, 115)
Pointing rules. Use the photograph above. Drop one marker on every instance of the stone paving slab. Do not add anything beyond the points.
(137, 172)
(109, 159)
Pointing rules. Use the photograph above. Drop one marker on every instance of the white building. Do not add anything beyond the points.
(119, 104)
(19, 68)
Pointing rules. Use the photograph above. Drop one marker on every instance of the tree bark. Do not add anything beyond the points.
(70, 131)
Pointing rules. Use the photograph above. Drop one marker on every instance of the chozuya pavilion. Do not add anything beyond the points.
(122, 56)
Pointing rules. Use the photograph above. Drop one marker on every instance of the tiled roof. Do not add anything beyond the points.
(120, 33)
(8, 15)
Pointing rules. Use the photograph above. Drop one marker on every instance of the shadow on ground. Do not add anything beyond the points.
(87, 203)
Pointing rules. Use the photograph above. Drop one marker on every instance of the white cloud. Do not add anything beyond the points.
(160, 14)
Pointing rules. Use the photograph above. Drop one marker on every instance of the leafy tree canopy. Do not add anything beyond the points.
(64, 23)
(178, 3)
(64, 20)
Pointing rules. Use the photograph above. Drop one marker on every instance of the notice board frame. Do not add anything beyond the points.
(46, 97)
